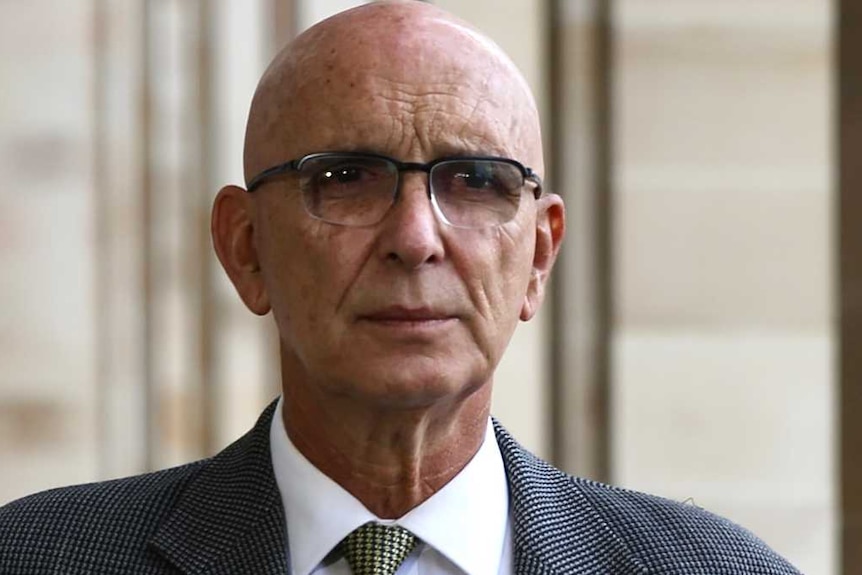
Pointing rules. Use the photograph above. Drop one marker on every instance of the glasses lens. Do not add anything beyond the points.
(477, 193)
(348, 190)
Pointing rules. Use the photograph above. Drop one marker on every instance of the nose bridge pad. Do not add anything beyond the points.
(399, 191)
(438, 211)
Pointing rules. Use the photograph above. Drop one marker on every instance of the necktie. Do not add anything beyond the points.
(375, 549)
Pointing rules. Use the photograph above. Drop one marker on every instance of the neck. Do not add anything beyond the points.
(390, 459)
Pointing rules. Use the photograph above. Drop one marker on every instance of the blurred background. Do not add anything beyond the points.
(692, 344)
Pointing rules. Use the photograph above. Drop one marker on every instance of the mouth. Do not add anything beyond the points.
(407, 317)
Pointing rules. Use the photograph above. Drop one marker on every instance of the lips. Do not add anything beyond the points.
(396, 314)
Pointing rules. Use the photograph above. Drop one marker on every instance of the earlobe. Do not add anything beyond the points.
(232, 229)
(550, 230)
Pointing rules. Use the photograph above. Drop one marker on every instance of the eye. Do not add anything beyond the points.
(342, 177)
(476, 179)
(345, 174)
(469, 178)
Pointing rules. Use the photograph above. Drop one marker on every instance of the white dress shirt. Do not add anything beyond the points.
(464, 529)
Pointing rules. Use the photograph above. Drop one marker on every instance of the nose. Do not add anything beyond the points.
(410, 232)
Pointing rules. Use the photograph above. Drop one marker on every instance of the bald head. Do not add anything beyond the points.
(380, 78)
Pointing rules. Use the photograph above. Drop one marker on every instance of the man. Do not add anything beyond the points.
(396, 226)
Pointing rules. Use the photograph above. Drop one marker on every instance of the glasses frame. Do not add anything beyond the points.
(296, 165)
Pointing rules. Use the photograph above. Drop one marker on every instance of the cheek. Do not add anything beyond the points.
(309, 267)
(514, 283)
(497, 278)
(508, 271)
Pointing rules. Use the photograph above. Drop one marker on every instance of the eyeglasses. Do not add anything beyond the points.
(356, 189)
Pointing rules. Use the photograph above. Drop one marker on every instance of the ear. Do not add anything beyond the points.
(550, 229)
(232, 229)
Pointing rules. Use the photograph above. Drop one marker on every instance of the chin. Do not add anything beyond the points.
(405, 388)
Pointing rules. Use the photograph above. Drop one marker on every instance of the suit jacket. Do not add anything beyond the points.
(224, 515)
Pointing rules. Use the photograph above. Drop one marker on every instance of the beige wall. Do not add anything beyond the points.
(724, 332)
(47, 363)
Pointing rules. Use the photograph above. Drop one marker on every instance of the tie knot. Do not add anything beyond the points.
(375, 549)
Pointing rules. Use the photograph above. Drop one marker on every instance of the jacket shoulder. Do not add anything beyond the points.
(557, 515)
(82, 528)
(668, 534)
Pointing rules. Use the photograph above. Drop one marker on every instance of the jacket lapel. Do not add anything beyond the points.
(556, 529)
(230, 518)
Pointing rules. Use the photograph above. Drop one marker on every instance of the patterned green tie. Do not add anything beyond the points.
(375, 549)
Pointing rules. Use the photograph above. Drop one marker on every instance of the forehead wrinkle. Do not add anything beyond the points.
(424, 121)
(448, 118)
(491, 116)
(492, 48)
(487, 130)
(468, 129)
(440, 125)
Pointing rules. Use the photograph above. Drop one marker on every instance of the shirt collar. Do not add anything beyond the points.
(466, 520)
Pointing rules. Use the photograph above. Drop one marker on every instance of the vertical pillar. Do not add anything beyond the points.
(101, 281)
(285, 25)
(850, 281)
(284, 21)
(117, 119)
(147, 273)
(581, 37)
(199, 209)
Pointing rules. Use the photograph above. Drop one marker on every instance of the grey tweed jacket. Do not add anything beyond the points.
(224, 515)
